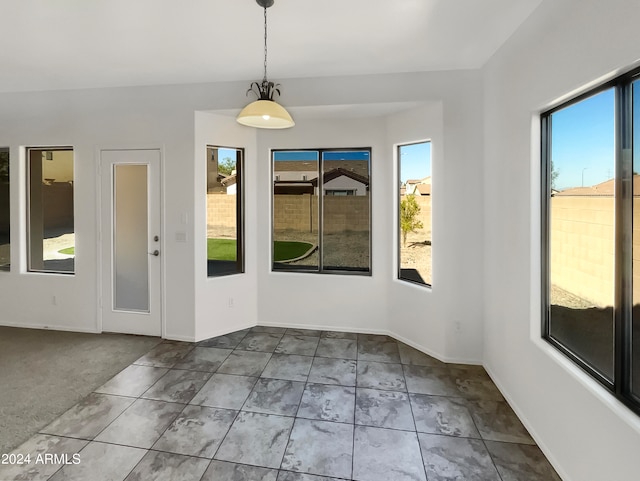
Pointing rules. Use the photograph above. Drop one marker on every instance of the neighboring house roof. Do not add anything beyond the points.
(339, 172)
(425, 180)
(229, 180)
(424, 189)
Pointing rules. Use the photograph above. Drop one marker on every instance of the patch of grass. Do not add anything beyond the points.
(221, 249)
(284, 251)
(225, 250)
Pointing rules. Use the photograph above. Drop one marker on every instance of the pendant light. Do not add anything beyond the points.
(265, 113)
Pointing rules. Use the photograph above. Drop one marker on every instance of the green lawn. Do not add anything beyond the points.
(225, 250)
(284, 251)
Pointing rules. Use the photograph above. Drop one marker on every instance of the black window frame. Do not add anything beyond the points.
(320, 268)
(6, 150)
(620, 386)
(240, 202)
(399, 274)
(29, 205)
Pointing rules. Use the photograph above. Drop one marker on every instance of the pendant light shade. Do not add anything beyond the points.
(265, 113)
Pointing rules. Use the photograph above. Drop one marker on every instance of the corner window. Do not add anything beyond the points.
(590, 192)
(5, 224)
(51, 234)
(224, 211)
(322, 210)
(414, 213)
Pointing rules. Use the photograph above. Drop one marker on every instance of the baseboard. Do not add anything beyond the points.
(170, 337)
(320, 327)
(49, 327)
(384, 332)
(217, 333)
(525, 421)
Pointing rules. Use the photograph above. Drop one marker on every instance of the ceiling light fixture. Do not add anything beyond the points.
(265, 113)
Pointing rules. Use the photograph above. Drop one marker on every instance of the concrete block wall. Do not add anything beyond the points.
(582, 250)
(221, 211)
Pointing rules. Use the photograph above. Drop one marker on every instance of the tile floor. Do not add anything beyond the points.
(275, 404)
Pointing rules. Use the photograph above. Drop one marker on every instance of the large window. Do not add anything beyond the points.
(414, 213)
(224, 211)
(51, 241)
(591, 223)
(322, 210)
(5, 227)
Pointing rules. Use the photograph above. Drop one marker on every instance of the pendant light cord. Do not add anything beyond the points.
(264, 80)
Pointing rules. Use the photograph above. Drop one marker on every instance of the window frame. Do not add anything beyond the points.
(7, 267)
(621, 386)
(320, 269)
(398, 227)
(240, 215)
(27, 150)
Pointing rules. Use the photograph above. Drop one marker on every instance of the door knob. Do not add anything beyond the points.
(155, 253)
(156, 238)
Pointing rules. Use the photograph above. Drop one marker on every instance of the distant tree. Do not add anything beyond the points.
(226, 166)
(409, 210)
(554, 175)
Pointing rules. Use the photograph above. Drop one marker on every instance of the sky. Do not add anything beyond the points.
(415, 161)
(583, 142)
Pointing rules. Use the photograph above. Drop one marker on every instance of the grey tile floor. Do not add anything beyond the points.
(275, 404)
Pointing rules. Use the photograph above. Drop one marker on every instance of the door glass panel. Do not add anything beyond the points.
(130, 239)
(581, 237)
(345, 210)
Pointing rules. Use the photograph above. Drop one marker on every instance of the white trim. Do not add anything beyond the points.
(383, 332)
(160, 147)
(49, 327)
(223, 332)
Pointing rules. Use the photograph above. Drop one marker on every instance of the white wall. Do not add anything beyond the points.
(342, 302)
(89, 120)
(214, 313)
(563, 47)
(197, 307)
(445, 320)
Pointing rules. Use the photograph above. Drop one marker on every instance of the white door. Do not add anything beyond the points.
(131, 243)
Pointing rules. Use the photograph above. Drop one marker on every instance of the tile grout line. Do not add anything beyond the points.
(355, 407)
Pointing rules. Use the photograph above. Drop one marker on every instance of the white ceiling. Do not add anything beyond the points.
(66, 44)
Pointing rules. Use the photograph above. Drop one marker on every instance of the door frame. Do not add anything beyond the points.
(102, 211)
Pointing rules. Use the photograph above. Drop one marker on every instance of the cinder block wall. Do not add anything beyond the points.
(582, 250)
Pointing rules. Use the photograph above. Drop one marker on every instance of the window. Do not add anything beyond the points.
(414, 213)
(5, 225)
(225, 245)
(51, 237)
(590, 223)
(322, 210)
